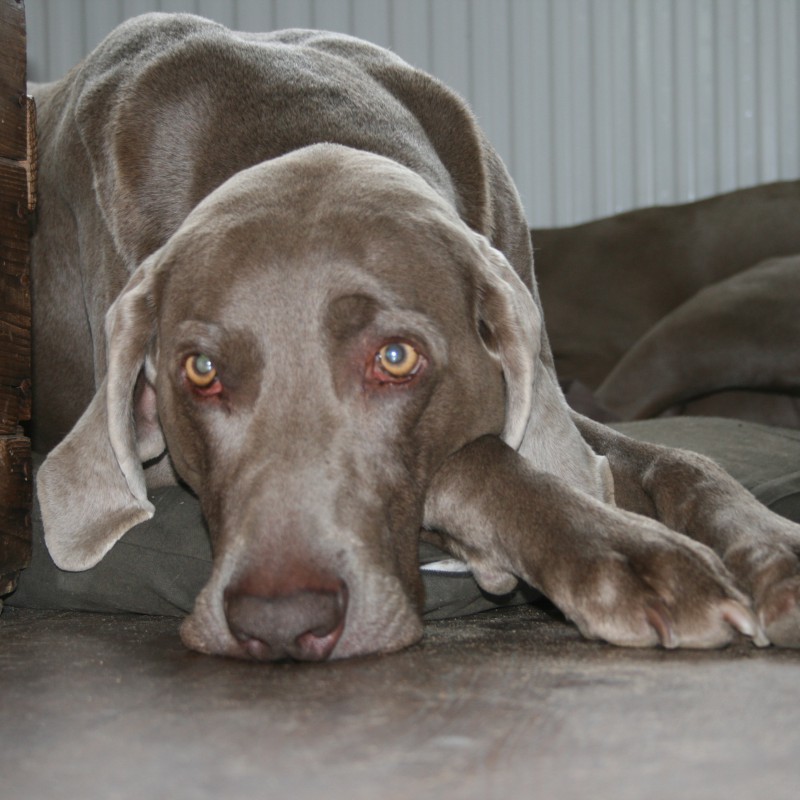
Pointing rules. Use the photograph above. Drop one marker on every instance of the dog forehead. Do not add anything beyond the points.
(323, 190)
(328, 294)
(327, 219)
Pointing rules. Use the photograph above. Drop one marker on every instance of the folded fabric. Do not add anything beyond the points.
(159, 566)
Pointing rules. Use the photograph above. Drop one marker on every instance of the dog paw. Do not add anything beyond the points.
(662, 589)
(769, 569)
(778, 602)
(781, 616)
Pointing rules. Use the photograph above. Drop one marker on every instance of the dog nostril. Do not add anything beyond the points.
(304, 625)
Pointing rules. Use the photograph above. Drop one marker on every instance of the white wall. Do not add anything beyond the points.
(597, 106)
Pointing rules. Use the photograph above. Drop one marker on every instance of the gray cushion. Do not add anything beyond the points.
(161, 565)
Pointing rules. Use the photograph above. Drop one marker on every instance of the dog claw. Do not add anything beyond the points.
(744, 621)
(661, 621)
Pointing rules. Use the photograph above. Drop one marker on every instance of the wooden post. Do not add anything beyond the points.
(17, 200)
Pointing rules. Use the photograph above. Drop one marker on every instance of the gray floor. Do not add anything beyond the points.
(496, 705)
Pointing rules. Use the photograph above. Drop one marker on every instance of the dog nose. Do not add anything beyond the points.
(304, 625)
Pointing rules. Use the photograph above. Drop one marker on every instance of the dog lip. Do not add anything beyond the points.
(255, 649)
(319, 648)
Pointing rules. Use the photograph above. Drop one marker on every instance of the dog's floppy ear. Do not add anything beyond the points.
(538, 422)
(511, 327)
(91, 487)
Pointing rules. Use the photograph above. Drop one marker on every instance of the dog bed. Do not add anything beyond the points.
(161, 565)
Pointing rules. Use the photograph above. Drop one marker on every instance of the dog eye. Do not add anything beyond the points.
(398, 359)
(200, 370)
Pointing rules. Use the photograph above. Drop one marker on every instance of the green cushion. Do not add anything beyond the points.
(161, 565)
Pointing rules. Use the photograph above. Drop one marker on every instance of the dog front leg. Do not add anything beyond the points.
(692, 494)
(619, 576)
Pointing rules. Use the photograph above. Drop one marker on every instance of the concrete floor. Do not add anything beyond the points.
(500, 704)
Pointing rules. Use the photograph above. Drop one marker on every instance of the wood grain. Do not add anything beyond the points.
(12, 80)
(17, 201)
(16, 489)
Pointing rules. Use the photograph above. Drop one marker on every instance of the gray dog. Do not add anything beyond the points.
(289, 270)
(723, 271)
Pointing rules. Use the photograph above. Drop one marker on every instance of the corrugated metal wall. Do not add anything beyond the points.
(597, 106)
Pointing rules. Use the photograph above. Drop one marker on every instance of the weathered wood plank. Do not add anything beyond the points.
(15, 401)
(15, 301)
(13, 200)
(16, 494)
(13, 142)
(15, 465)
(17, 200)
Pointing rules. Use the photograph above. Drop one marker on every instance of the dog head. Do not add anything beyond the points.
(311, 344)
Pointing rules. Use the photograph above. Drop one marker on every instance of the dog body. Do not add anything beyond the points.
(629, 297)
(289, 270)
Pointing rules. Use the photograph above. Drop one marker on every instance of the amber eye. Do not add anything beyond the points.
(398, 359)
(200, 370)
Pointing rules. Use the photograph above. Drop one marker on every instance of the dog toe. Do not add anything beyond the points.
(780, 613)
